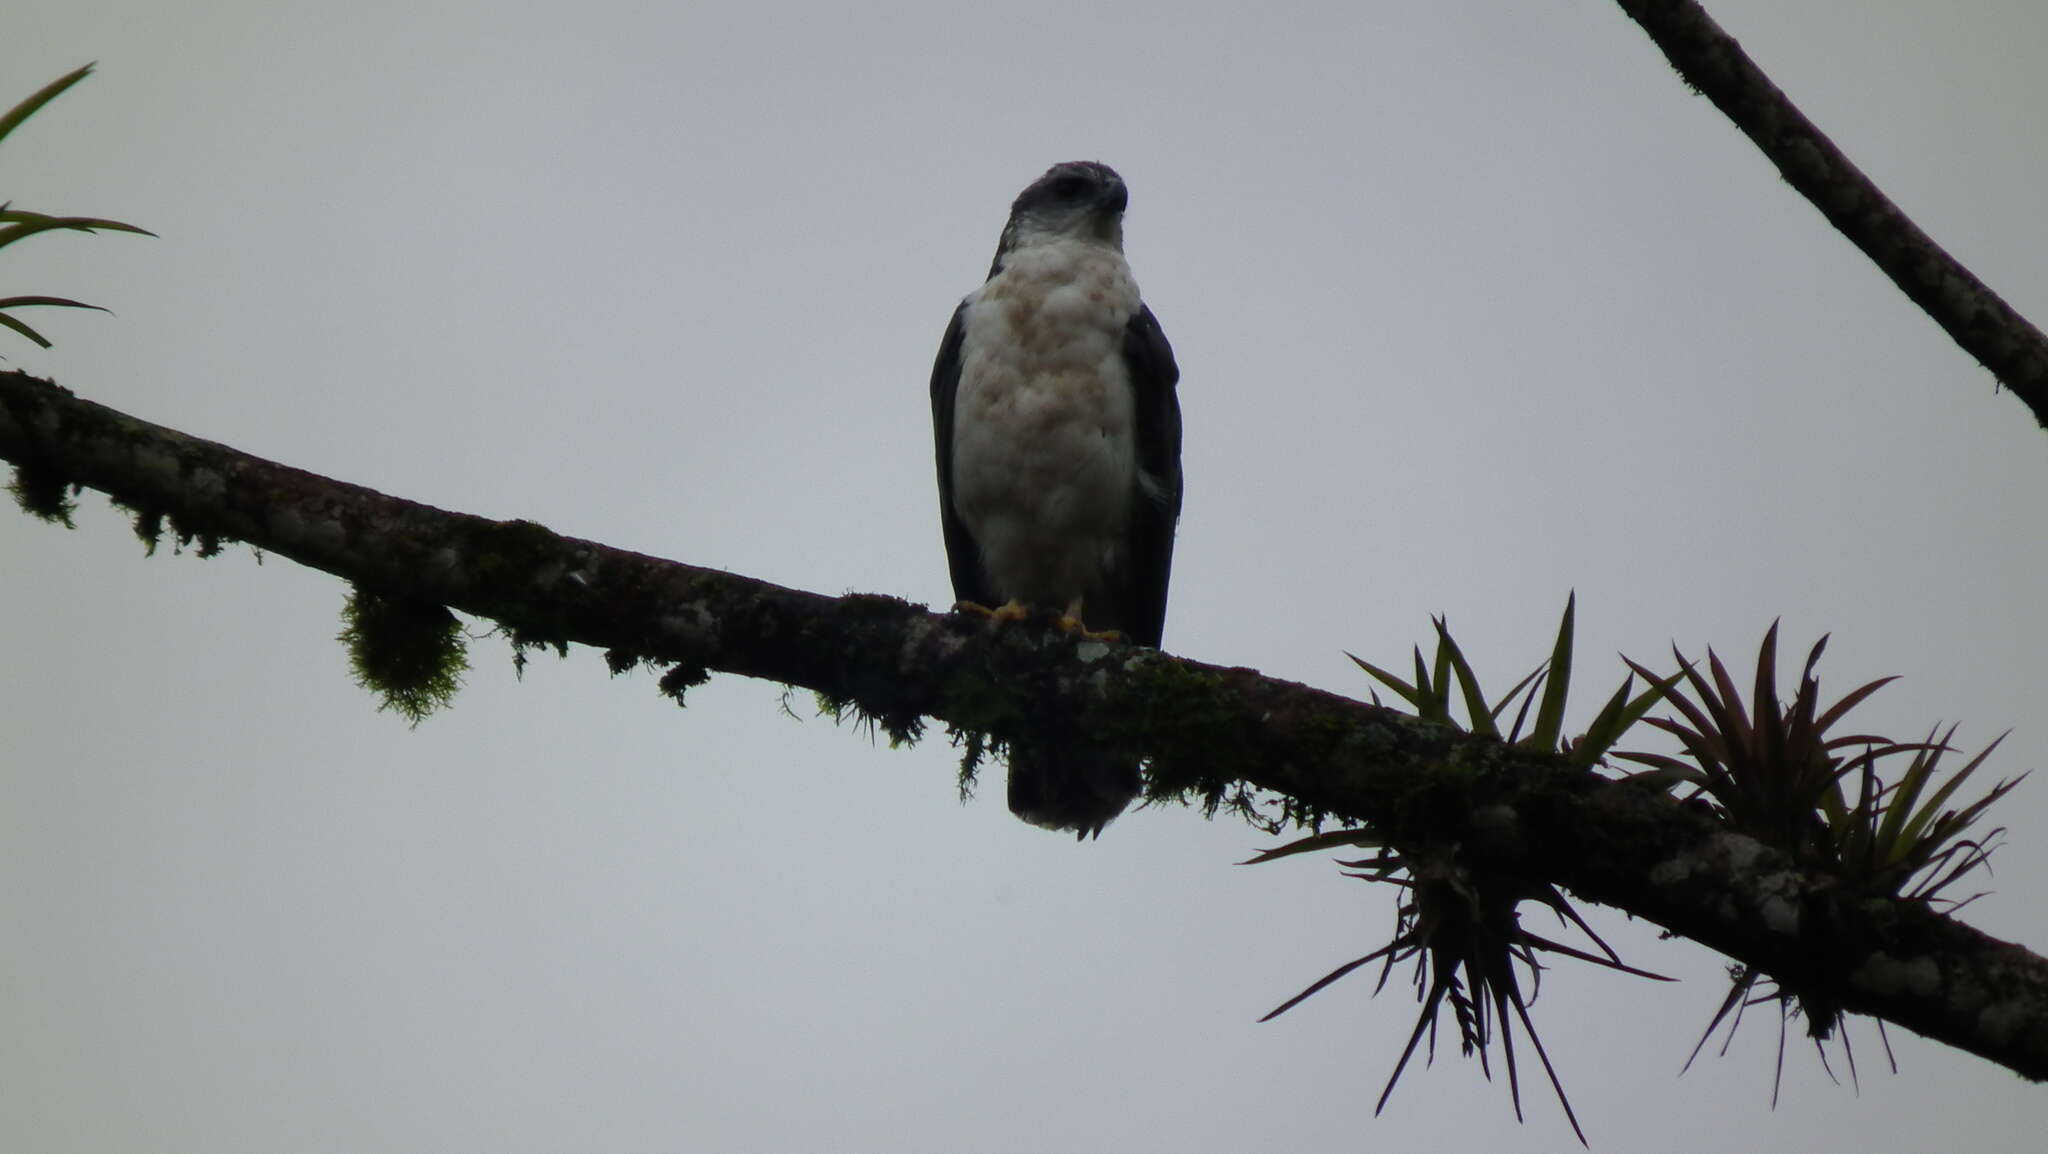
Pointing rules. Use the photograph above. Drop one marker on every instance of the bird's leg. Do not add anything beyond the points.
(1071, 619)
(1013, 610)
(1072, 623)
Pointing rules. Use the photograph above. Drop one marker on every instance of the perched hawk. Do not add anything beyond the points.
(1059, 453)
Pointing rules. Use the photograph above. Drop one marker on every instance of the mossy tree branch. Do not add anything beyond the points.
(1974, 316)
(1208, 729)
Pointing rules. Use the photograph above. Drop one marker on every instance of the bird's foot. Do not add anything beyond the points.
(1075, 625)
(1001, 615)
(1071, 622)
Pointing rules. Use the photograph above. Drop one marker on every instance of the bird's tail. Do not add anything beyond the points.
(1065, 789)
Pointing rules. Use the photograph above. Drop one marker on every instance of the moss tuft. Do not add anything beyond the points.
(1164, 695)
(624, 661)
(407, 651)
(501, 548)
(149, 529)
(44, 495)
(974, 748)
(903, 729)
(678, 681)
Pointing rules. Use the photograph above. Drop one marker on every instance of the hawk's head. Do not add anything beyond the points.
(1078, 200)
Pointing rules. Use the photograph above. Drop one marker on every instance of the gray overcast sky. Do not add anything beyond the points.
(1476, 304)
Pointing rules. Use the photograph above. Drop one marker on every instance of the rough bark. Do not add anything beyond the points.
(1208, 729)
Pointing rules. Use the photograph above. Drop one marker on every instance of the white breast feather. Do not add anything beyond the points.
(1044, 458)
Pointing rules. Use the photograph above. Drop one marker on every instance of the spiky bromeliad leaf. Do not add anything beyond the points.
(1767, 767)
(1314, 843)
(19, 224)
(1430, 695)
(1465, 935)
(12, 118)
(1776, 772)
(1892, 842)
(22, 224)
(1615, 718)
(1459, 920)
(22, 327)
(1550, 715)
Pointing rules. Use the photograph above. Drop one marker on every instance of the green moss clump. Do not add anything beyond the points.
(1165, 695)
(511, 547)
(980, 704)
(679, 680)
(974, 748)
(903, 729)
(44, 495)
(409, 652)
(149, 529)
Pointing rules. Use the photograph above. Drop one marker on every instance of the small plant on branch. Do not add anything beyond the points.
(1780, 774)
(1458, 918)
(1430, 696)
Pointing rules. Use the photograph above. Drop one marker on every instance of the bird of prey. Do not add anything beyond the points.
(1058, 436)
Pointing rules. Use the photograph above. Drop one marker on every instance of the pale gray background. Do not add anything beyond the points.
(1476, 304)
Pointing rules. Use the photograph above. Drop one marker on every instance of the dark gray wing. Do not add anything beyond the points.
(962, 554)
(1156, 504)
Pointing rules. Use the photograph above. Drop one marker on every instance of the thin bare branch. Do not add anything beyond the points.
(1974, 316)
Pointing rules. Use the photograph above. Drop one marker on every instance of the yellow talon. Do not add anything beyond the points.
(1072, 623)
(1013, 611)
